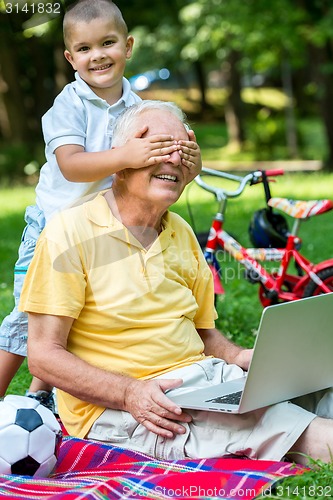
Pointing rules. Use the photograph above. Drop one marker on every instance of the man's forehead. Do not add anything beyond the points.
(164, 122)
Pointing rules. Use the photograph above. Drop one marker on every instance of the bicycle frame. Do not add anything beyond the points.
(275, 286)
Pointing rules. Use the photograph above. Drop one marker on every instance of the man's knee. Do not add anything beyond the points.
(316, 442)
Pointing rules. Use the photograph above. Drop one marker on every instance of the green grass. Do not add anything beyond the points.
(12, 206)
(239, 310)
(317, 483)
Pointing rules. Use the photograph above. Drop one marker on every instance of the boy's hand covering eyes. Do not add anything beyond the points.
(147, 151)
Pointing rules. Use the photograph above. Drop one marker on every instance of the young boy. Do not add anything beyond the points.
(78, 137)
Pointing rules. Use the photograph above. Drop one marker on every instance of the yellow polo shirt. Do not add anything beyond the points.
(136, 311)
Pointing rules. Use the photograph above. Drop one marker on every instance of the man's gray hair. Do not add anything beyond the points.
(127, 123)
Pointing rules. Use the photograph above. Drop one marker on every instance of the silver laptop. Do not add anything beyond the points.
(293, 355)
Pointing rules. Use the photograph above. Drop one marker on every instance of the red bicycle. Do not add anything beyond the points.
(273, 242)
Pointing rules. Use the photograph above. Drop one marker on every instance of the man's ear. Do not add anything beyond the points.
(121, 174)
(141, 132)
(69, 58)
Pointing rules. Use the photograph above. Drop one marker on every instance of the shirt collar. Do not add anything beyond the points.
(84, 91)
(99, 213)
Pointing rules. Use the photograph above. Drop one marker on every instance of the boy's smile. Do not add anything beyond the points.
(101, 68)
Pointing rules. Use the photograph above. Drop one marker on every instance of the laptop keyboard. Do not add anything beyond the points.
(232, 399)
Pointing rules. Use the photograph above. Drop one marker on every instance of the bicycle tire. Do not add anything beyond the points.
(202, 238)
(288, 285)
(326, 275)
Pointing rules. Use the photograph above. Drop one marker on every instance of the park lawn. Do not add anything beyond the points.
(13, 202)
(239, 310)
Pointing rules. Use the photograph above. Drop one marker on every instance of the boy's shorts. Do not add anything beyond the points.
(266, 434)
(14, 328)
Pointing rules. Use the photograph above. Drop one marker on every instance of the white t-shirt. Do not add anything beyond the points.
(78, 116)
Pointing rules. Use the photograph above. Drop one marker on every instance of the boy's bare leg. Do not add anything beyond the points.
(9, 364)
(315, 442)
(42, 392)
(39, 385)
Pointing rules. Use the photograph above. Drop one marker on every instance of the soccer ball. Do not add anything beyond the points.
(30, 437)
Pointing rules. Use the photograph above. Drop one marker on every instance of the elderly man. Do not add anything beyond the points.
(120, 299)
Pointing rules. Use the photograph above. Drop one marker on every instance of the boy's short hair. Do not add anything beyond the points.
(87, 10)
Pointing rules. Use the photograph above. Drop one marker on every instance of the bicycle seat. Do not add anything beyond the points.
(300, 209)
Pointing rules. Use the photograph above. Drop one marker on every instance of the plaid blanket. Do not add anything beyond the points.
(90, 471)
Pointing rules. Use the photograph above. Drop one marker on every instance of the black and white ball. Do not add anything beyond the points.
(30, 437)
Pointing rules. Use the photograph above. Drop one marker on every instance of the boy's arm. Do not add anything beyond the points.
(78, 165)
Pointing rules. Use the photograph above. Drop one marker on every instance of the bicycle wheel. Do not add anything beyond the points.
(289, 283)
(326, 275)
(202, 238)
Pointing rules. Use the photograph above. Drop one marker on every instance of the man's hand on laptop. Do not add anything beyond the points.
(147, 403)
(243, 358)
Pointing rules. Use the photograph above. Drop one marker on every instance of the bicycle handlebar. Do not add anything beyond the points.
(274, 172)
(220, 193)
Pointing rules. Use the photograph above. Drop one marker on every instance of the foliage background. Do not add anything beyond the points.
(262, 70)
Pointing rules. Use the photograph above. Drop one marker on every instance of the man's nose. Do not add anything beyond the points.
(175, 158)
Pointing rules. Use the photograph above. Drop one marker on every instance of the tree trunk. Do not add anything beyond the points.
(291, 132)
(322, 58)
(234, 112)
(201, 79)
(13, 96)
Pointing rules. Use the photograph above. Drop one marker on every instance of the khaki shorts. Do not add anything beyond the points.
(266, 434)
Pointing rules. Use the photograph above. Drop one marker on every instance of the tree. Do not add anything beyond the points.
(237, 34)
(32, 73)
(187, 36)
(13, 93)
(317, 32)
(270, 34)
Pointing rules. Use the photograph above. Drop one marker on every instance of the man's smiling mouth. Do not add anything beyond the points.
(166, 177)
